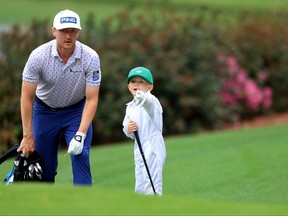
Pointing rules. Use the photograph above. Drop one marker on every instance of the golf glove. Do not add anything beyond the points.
(76, 144)
(139, 98)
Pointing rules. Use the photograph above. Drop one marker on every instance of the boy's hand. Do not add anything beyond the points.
(132, 127)
(139, 98)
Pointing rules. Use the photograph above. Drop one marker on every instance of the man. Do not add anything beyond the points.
(59, 95)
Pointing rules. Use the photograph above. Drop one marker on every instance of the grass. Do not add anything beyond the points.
(24, 11)
(255, 5)
(64, 200)
(239, 172)
(56, 200)
(236, 164)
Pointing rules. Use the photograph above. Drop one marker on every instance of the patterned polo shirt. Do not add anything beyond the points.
(59, 84)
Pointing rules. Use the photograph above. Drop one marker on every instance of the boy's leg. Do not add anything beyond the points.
(156, 172)
(157, 161)
(155, 165)
(139, 176)
(142, 181)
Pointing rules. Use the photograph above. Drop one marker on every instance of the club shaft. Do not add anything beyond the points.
(9, 153)
(143, 157)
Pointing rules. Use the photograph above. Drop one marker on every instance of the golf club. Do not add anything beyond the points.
(11, 152)
(143, 157)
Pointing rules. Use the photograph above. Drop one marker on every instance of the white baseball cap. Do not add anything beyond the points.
(66, 19)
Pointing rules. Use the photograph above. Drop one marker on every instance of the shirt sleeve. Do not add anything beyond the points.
(154, 110)
(32, 68)
(93, 71)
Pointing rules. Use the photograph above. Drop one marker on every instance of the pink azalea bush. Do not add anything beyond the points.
(240, 89)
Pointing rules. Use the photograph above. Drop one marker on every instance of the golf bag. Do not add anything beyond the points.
(24, 169)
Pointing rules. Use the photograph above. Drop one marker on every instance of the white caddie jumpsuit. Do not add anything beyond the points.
(149, 120)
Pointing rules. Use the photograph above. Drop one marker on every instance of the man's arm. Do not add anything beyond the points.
(90, 108)
(27, 96)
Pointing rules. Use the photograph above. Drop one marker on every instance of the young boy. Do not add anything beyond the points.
(144, 115)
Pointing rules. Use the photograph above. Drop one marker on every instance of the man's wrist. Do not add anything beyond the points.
(28, 135)
(80, 133)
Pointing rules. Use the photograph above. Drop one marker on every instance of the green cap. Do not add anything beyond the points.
(142, 72)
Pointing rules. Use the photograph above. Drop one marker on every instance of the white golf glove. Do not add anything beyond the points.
(139, 98)
(76, 144)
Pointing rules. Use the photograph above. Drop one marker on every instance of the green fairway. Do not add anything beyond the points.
(24, 11)
(33, 199)
(231, 172)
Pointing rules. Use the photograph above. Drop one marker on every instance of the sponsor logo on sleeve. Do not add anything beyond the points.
(96, 75)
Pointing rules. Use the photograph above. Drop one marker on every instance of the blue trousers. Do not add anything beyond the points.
(48, 125)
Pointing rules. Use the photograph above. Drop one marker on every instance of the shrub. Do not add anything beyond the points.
(15, 47)
(241, 91)
(181, 53)
(196, 89)
(260, 43)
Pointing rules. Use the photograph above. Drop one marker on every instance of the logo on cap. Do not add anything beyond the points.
(68, 20)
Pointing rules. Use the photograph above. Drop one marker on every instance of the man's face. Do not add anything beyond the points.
(66, 38)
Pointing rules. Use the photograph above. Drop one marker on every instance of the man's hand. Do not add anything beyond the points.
(139, 98)
(76, 144)
(27, 145)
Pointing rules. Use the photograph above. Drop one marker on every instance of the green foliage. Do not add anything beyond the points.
(16, 46)
(182, 53)
(260, 43)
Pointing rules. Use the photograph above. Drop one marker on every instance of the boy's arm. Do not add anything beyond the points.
(149, 104)
(154, 110)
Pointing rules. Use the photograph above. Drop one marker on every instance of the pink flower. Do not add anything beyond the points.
(241, 77)
(228, 98)
(232, 64)
(253, 95)
(267, 94)
(239, 88)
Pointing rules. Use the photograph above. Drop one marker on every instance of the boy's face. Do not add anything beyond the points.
(140, 83)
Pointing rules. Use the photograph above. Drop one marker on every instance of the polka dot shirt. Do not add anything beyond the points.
(59, 84)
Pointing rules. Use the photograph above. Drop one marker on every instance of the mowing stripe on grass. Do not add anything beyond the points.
(42, 199)
(230, 172)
